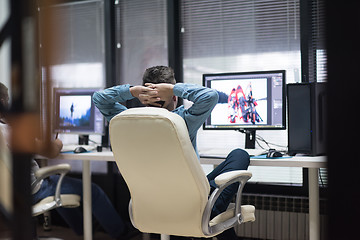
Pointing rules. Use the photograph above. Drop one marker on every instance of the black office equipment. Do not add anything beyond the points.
(75, 113)
(306, 118)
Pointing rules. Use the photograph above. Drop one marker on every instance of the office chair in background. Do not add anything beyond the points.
(58, 200)
(169, 189)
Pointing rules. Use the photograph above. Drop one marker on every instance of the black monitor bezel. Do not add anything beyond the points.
(57, 92)
(251, 127)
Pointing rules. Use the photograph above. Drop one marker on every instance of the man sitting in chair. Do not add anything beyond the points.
(161, 90)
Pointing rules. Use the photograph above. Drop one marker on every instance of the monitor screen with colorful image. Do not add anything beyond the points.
(247, 100)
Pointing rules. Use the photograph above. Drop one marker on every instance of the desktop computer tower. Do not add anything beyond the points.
(306, 118)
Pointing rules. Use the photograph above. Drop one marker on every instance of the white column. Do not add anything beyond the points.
(86, 177)
(165, 237)
(314, 210)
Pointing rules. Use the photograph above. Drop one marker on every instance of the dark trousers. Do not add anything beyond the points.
(237, 159)
(102, 208)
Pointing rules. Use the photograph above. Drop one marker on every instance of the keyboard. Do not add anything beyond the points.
(71, 147)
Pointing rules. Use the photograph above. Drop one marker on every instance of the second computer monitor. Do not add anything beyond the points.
(248, 100)
(74, 112)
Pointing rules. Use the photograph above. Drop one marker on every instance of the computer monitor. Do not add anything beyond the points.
(75, 112)
(248, 101)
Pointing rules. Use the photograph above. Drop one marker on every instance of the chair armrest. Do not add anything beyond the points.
(222, 181)
(47, 171)
(228, 176)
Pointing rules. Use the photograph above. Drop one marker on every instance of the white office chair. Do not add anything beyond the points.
(169, 190)
(58, 200)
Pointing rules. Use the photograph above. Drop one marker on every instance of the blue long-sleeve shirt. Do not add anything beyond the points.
(204, 100)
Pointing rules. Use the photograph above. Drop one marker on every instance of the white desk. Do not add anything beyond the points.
(313, 163)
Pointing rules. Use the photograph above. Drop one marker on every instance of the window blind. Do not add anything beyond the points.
(78, 30)
(141, 38)
(223, 28)
(318, 40)
(241, 36)
(78, 40)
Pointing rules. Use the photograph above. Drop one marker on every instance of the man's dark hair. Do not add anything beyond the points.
(3, 90)
(3, 95)
(159, 74)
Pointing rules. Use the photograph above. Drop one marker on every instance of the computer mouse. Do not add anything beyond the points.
(273, 154)
(80, 150)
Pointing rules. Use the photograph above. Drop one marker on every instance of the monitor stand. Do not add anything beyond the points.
(250, 136)
(83, 139)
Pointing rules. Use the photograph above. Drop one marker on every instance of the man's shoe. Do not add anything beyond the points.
(228, 235)
(130, 232)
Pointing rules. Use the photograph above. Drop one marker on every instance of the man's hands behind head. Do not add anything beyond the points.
(146, 95)
(164, 90)
(151, 94)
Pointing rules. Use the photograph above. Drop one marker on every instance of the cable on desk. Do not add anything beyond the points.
(259, 138)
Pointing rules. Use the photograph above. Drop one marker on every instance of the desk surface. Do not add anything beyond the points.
(105, 155)
(216, 156)
(296, 161)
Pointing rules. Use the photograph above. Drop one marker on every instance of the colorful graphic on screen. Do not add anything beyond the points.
(240, 102)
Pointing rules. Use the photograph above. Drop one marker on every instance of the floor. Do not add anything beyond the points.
(60, 232)
(64, 233)
(67, 234)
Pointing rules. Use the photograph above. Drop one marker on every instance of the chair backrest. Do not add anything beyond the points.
(154, 154)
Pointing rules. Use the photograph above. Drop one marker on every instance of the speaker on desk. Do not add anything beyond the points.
(306, 118)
